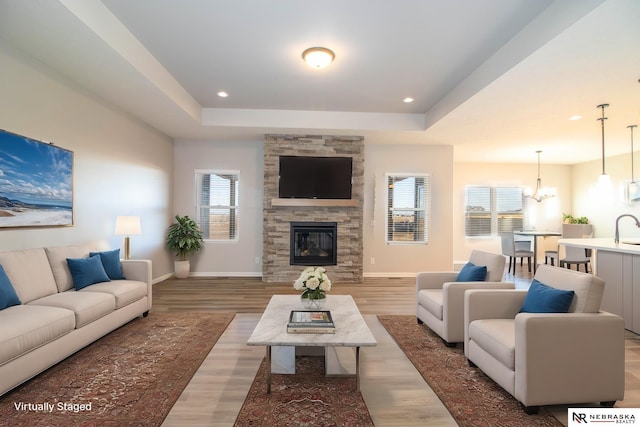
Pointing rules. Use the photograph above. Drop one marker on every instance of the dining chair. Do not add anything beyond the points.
(516, 249)
(572, 255)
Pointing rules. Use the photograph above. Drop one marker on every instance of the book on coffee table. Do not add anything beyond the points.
(311, 322)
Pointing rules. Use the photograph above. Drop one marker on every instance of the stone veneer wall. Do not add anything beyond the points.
(277, 219)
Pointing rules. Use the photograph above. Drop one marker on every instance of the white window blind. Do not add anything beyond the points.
(217, 204)
(490, 211)
(408, 208)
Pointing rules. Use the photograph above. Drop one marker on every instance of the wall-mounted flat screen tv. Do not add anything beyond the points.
(304, 177)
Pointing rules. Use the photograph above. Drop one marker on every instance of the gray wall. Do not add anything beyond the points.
(121, 166)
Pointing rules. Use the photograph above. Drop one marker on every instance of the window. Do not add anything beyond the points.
(408, 201)
(217, 204)
(490, 211)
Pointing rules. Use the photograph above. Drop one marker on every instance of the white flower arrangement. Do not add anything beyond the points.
(313, 282)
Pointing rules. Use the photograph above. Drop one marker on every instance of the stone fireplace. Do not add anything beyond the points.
(313, 243)
(279, 214)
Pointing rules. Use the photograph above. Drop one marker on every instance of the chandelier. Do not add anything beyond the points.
(541, 193)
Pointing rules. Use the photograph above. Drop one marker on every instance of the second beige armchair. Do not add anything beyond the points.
(440, 299)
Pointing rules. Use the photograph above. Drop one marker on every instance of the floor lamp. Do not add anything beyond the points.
(127, 226)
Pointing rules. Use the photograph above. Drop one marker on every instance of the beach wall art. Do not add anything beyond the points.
(36, 183)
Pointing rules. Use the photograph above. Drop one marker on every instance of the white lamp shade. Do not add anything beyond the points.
(128, 226)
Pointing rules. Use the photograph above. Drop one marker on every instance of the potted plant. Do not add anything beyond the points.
(570, 219)
(183, 239)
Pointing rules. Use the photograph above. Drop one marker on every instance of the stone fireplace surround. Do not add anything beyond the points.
(278, 214)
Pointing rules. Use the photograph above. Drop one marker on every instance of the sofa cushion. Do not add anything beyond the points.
(24, 328)
(87, 306)
(87, 271)
(111, 263)
(57, 256)
(8, 296)
(431, 300)
(29, 272)
(124, 291)
(497, 337)
(472, 273)
(545, 299)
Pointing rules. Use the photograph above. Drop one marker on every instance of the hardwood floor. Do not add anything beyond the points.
(395, 393)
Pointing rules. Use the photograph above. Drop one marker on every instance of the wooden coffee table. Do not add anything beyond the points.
(271, 331)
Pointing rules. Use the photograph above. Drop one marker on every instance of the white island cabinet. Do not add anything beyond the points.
(618, 264)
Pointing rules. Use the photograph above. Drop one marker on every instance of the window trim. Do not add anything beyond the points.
(198, 205)
(493, 209)
(427, 208)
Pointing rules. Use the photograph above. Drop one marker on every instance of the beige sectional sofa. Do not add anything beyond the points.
(53, 319)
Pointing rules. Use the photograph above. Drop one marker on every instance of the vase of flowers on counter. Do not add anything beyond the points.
(314, 284)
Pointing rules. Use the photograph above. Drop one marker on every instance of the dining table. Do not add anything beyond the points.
(535, 234)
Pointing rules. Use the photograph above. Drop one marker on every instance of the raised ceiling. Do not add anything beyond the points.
(496, 79)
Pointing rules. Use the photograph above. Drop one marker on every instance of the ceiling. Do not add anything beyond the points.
(497, 79)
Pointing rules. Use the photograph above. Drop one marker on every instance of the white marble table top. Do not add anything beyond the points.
(351, 329)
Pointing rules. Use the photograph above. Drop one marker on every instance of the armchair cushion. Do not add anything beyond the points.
(545, 299)
(496, 337)
(472, 273)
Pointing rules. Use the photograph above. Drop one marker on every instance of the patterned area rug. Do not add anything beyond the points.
(472, 398)
(130, 377)
(306, 399)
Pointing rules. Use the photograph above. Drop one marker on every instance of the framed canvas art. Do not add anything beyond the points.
(36, 183)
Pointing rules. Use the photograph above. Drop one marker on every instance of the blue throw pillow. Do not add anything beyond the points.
(87, 271)
(111, 263)
(545, 299)
(8, 296)
(472, 273)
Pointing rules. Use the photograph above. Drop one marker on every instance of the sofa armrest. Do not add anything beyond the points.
(434, 279)
(140, 270)
(453, 300)
(555, 350)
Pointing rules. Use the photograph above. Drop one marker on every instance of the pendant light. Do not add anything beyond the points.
(540, 193)
(633, 185)
(604, 175)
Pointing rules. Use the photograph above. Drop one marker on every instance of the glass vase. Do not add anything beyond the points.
(313, 303)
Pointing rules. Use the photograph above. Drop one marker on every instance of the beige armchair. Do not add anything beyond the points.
(548, 358)
(440, 298)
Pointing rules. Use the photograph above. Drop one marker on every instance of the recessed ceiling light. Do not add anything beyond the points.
(223, 94)
(318, 57)
(575, 117)
(407, 99)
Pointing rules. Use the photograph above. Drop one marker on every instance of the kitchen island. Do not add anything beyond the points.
(618, 264)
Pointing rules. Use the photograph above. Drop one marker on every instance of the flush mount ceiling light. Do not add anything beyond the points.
(540, 193)
(318, 57)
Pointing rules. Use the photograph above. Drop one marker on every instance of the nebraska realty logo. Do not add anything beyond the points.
(603, 416)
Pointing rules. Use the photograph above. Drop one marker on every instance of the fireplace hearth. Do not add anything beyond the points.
(314, 243)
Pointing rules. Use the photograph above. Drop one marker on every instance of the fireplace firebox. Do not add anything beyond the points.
(314, 243)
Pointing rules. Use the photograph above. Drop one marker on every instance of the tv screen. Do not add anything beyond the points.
(315, 177)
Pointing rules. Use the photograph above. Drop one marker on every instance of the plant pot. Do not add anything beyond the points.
(181, 269)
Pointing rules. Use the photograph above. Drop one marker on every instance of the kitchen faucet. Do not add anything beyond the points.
(617, 238)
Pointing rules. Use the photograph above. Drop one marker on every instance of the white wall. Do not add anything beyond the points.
(603, 204)
(406, 260)
(546, 215)
(121, 167)
(238, 259)
(218, 258)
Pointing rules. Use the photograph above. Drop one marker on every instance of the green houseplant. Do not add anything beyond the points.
(570, 219)
(184, 238)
